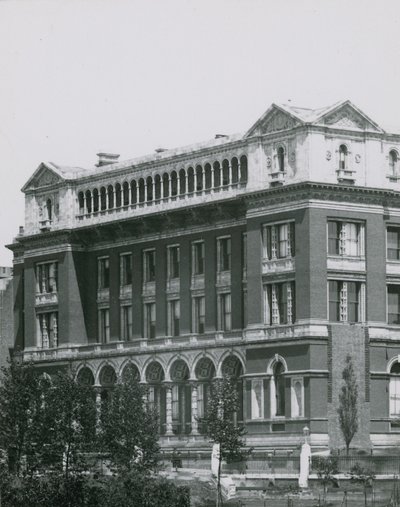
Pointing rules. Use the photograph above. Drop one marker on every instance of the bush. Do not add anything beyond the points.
(131, 490)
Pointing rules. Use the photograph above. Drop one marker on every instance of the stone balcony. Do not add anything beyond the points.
(46, 298)
(271, 266)
(345, 263)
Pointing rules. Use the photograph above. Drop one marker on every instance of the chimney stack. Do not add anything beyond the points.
(106, 159)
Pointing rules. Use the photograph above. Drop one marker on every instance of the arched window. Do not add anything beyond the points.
(81, 201)
(103, 198)
(88, 196)
(125, 192)
(243, 169)
(207, 172)
(281, 159)
(235, 169)
(49, 209)
(110, 193)
(190, 180)
(225, 172)
(118, 195)
(278, 390)
(141, 190)
(174, 184)
(217, 174)
(394, 390)
(182, 181)
(95, 200)
(149, 184)
(157, 182)
(343, 156)
(133, 192)
(199, 178)
(165, 185)
(393, 162)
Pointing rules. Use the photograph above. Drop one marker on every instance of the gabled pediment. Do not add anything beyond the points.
(348, 116)
(275, 119)
(45, 175)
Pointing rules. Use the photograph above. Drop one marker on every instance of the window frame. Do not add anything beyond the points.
(103, 273)
(254, 403)
(196, 259)
(173, 266)
(224, 259)
(126, 323)
(149, 275)
(124, 279)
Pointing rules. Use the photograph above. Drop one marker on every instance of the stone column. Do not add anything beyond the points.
(168, 410)
(194, 422)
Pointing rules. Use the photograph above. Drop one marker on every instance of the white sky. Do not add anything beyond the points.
(81, 76)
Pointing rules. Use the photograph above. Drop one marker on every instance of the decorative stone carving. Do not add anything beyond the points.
(328, 155)
(278, 121)
(46, 178)
(358, 158)
(269, 161)
(292, 157)
(347, 118)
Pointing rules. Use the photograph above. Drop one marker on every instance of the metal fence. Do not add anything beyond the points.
(265, 463)
(379, 465)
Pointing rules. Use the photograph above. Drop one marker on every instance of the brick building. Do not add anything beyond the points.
(268, 255)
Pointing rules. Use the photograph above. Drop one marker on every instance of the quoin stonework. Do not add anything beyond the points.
(268, 255)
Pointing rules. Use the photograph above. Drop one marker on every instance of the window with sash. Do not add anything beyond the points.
(149, 320)
(47, 330)
(126, 269)
(46, 277)
(149, 265)
(224, 254)
(126, 322)
(297, 397)
(279, 303)
(103, 281)
(278, 241)
(345, 238)
(173, 262)
(199, 314)
(346, 301)
(225, 312)
(393, 243)
(104, 325)
(174, 314)
(198, 258)
(394, 391)
(393, 304)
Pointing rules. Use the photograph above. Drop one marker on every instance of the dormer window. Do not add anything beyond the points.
(343, 152)
(393, 162)
(281, 159)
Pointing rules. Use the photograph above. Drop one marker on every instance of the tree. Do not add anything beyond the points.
(326, 468)
(364, 476)
(71, 415)
(348, 414)
(19, 396)
(129, 428)
(220, 425)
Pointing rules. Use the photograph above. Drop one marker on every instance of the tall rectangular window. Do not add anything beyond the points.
(126, 269)
(46, 277)
(174, 315)
(225, 320)
(345, 238)
(103, 273)
(150, 320)
(224, 254)
(104, 325)
(346, 301)
(47, 330)
(393, 243)
(279, 303)
(149, 268)
(126, 322)
(199, 314)
(278, 241)
(173, 262)
(198, 258)
(393, 298)
(257, 395)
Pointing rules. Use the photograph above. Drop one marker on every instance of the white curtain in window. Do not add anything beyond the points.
(394, 394)
(256, 398)
(352, 231)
